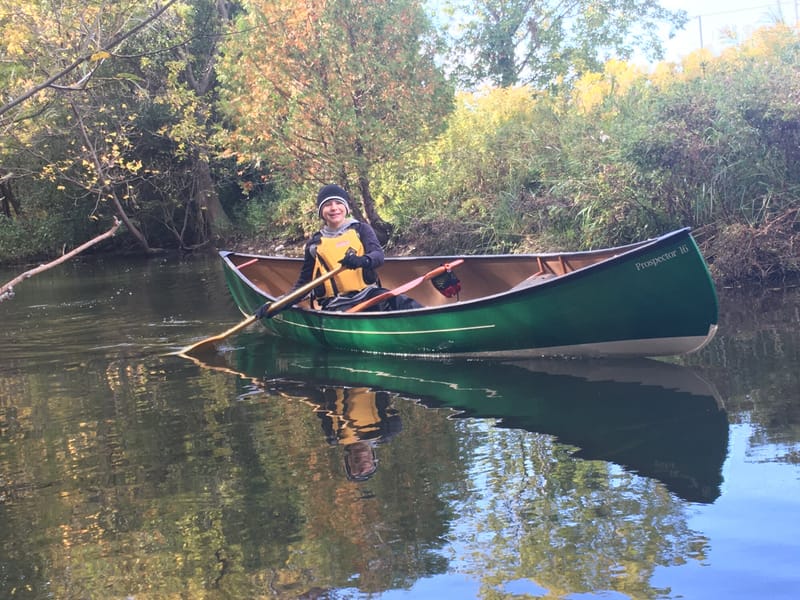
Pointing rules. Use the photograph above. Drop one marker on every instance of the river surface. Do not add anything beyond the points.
(265, 470)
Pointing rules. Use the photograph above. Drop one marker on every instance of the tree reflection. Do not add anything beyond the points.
(756, 361)
(571, 525)
(159, 479)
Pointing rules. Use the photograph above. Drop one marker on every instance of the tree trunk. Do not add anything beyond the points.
(102, 175)
(382, 229)
(8, 200)
(212, 219)
(207, 199)
(135, 232)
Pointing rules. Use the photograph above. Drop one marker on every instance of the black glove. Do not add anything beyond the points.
(352, 261)
(262, 311)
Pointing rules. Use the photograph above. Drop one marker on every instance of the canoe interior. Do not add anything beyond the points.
(480, 276)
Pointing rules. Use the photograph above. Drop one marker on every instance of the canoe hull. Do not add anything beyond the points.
(653, 299)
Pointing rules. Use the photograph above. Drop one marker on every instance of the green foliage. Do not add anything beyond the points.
(40, 237)
(722, 144)
(279, 213)
(607, 199)
(130, 138)
(469, 187)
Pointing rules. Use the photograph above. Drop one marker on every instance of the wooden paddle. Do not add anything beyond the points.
(405, 287)
(274, 307)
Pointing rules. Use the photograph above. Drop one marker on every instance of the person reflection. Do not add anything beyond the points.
(360, 460)
(358, 419)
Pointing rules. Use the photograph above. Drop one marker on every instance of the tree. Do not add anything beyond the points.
(189, 92)
(67, 40)
(125, 119)
(329, 88)
(507, 42)
(54, 53)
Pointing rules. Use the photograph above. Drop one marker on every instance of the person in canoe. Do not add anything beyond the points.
(353, 244)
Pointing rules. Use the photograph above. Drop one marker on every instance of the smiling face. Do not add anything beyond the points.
(334, 213)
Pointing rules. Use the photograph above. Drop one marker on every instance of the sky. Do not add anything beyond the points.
(708, 18)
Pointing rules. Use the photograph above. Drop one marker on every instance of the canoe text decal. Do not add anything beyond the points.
(654, 262)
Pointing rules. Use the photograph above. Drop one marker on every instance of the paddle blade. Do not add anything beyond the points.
(209, 341)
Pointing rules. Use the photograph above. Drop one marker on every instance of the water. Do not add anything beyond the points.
(266, 470)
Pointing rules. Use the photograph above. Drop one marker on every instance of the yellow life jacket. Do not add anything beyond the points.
(330, 250)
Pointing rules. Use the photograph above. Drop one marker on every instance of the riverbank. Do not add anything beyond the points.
(741, 255)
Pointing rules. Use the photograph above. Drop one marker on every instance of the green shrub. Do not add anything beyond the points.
(32, 239)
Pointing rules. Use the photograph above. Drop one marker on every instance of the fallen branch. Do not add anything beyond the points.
(7, 291)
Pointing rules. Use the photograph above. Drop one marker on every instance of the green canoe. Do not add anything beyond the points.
(651, 298)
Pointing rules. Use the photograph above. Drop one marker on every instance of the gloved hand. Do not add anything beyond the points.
(352, 261)
(262, 311)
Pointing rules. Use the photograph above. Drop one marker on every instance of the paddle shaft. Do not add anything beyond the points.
(302, 291)
(405, 287)
(274, 307)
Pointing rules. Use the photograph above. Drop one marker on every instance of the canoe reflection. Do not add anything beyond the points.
(656, 419)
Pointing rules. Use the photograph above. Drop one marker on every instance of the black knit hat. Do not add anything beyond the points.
(332, 192)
